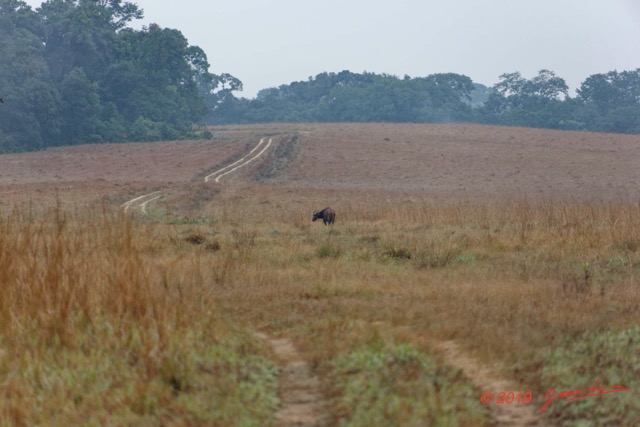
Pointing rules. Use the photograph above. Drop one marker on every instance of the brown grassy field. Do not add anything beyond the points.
(516, 248)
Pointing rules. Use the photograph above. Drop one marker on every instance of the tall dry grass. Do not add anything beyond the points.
(144, 320)
(516, 248)
(104, 321)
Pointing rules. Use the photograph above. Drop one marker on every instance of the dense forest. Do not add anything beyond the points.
(604, 102)
(73, 71)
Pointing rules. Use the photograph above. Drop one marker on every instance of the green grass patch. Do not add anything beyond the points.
(610, 358)
(381, 384)
(192, 379)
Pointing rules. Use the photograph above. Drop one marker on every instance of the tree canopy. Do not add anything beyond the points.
(72, 71)
(347, 96)
(604, 102)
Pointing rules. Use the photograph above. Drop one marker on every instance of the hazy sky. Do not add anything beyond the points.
(266, 43)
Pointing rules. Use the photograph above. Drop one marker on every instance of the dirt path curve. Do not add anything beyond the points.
(140, 199)
(240, 163)
(143, 205)
(145, 199)
(298, 388)
(485, 380)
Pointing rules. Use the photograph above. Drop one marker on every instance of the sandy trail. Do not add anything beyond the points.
(145, 199)
(298, 389)
(240, 163)
(302, 401)
(518, 415)
(143, 205)
(127, 205)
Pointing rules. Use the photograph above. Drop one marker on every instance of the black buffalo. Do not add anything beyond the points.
(327, 215)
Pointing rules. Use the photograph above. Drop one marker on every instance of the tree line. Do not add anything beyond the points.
(73, 71)
(604, 102)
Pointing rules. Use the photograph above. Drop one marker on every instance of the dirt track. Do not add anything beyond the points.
(299, 388)
(145, 199)
(517, 415)
(239, 163)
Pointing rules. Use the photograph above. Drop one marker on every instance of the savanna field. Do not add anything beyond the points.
(464, 260)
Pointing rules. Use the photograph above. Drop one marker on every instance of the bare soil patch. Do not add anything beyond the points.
(299, 388)
(116, 163)
(468, 161)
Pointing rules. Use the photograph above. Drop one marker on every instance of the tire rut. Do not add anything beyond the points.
(299, 389)
(518, 415)
(142, 201)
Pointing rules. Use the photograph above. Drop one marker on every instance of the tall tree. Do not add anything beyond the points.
(536, 102)
(29, 116)
(81, 101)
(611, 101)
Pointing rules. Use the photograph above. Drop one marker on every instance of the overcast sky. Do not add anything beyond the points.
(266, 43)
